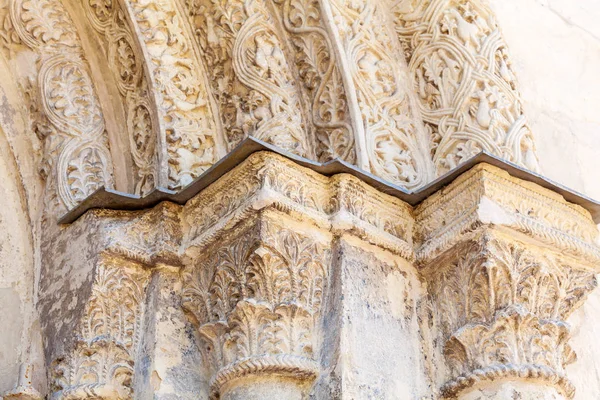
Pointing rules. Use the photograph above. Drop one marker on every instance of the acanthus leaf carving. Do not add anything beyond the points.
(255, 300)
(501, 310)
(101, 362)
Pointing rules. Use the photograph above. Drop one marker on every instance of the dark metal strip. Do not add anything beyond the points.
(115, 200)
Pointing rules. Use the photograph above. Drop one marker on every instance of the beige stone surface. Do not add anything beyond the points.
(275, 281)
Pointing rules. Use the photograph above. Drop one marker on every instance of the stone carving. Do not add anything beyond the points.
(9, 38)
(501, 308)
(179, 88)
(393, 135)
(267, 179)
(77, 151)
(318, 68)
(101, 365)
(256, 299)
(126, 62)
(445, 219)
(256, 256)
(461, 70)
(251, 78)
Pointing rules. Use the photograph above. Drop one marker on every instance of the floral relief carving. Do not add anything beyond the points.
(44, 23)
(68, 114)
(109, 20)
(461, 70)
(256, 299)
(9, 38)
(501, 308)
(393, 135)
(319, 71)
(179, 87)
(251, 78)
(101, 364)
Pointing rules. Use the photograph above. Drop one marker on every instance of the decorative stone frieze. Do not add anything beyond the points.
(506, 263)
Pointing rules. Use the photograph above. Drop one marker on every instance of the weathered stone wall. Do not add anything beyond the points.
(138, 94)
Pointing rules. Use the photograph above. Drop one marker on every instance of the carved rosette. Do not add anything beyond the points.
(101, 363)
(461, 70)
(255, 298)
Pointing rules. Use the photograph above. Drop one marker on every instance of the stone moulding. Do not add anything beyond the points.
(504, 262)
(106, 198)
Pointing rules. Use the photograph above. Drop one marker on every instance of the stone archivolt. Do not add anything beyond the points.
(256, 252)
(404, 89)
(321, 79)
(67, 111)
(461, 70)
(126, 62)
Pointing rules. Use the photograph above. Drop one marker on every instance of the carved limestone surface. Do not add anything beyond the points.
(261, 267)
(178, 83)
(339, 203)
(101, 364)
(460, 67)
(251, 77)
(77, 159)
(255, 298)
(488, 195)
(318, 68)
(392, 134)
(502, 307)
(506, 263)
(126, 61)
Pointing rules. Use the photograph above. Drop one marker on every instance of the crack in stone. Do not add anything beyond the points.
(568, 21)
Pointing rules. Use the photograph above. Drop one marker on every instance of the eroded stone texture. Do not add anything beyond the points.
(279, 282)
(275, 281)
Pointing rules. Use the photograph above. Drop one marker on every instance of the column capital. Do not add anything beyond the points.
(506, 263)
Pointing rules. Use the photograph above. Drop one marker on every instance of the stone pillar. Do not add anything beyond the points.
(506, 263)
(278, 282)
